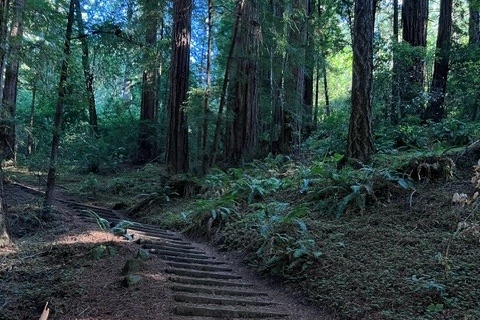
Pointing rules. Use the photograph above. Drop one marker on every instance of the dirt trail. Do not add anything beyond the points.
(182, 280)
(207, 284)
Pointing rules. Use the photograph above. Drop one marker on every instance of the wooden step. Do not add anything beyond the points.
(172, 249)
(202, 299)
(226, 313)
(201, 274)
(210, 282)
(172, 253)
(199, 267)
(217, 291)
(167, 258)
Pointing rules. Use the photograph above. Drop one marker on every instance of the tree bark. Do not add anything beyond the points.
(147, 140)
(309, 70)
(436, 104)
(177, 141)
(280, 133)
(87, 73)
(8, 114)
(474, 42)
(57, 125)
(242, 130)
(360, 138)
(474, 23)
(221, 106)
(412, 74)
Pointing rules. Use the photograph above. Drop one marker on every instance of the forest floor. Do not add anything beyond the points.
(60, 262)
(412, 254)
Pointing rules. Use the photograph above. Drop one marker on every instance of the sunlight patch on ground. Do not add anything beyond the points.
(89, 237)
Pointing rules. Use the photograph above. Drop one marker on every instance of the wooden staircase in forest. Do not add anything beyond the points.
(203, 286)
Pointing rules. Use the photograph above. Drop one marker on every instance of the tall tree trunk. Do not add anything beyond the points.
(147, 140)
(8, 114)
(414, 18)
(474, 23)
(177, 141)
(4, 10)
(87, 72)
(242, 130)
(474, 42)
(280, 135)
(57, 124)
(360, 137)
(295, 78)
(395, 104)
(208, 84)
(309, 70)
(436, 103)
(226, 79)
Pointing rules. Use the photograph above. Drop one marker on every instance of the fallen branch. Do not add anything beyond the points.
(45, 312)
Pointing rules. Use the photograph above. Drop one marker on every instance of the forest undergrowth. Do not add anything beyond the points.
(385, 241)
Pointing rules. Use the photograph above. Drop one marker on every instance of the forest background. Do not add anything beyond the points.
(205, 87)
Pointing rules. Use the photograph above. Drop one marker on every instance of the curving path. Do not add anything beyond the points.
(204, 284)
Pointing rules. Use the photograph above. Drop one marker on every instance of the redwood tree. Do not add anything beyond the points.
(474, 23)
(436, 104)
(412, 72)
(360, 138)
(147, 140)
(177, 136)
(87, 73)
(9, 101)
(242, 102)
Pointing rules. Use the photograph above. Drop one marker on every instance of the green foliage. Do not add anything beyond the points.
(211, 215)
(102, 251)
(118, 229)
(90, 185)
(436, 137)
(253, 188)
(282, 254)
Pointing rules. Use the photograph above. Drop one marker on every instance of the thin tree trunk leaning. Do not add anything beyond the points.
(206, 101)
(436, 104)
(4, 238)
(87, 73)
(31, 119)
(177, 156)
(147, 141)
(317, 95)
(57, 125)
(9, 100)
(360, 138)
(221, 106)
(325, 85)
(242, 129)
